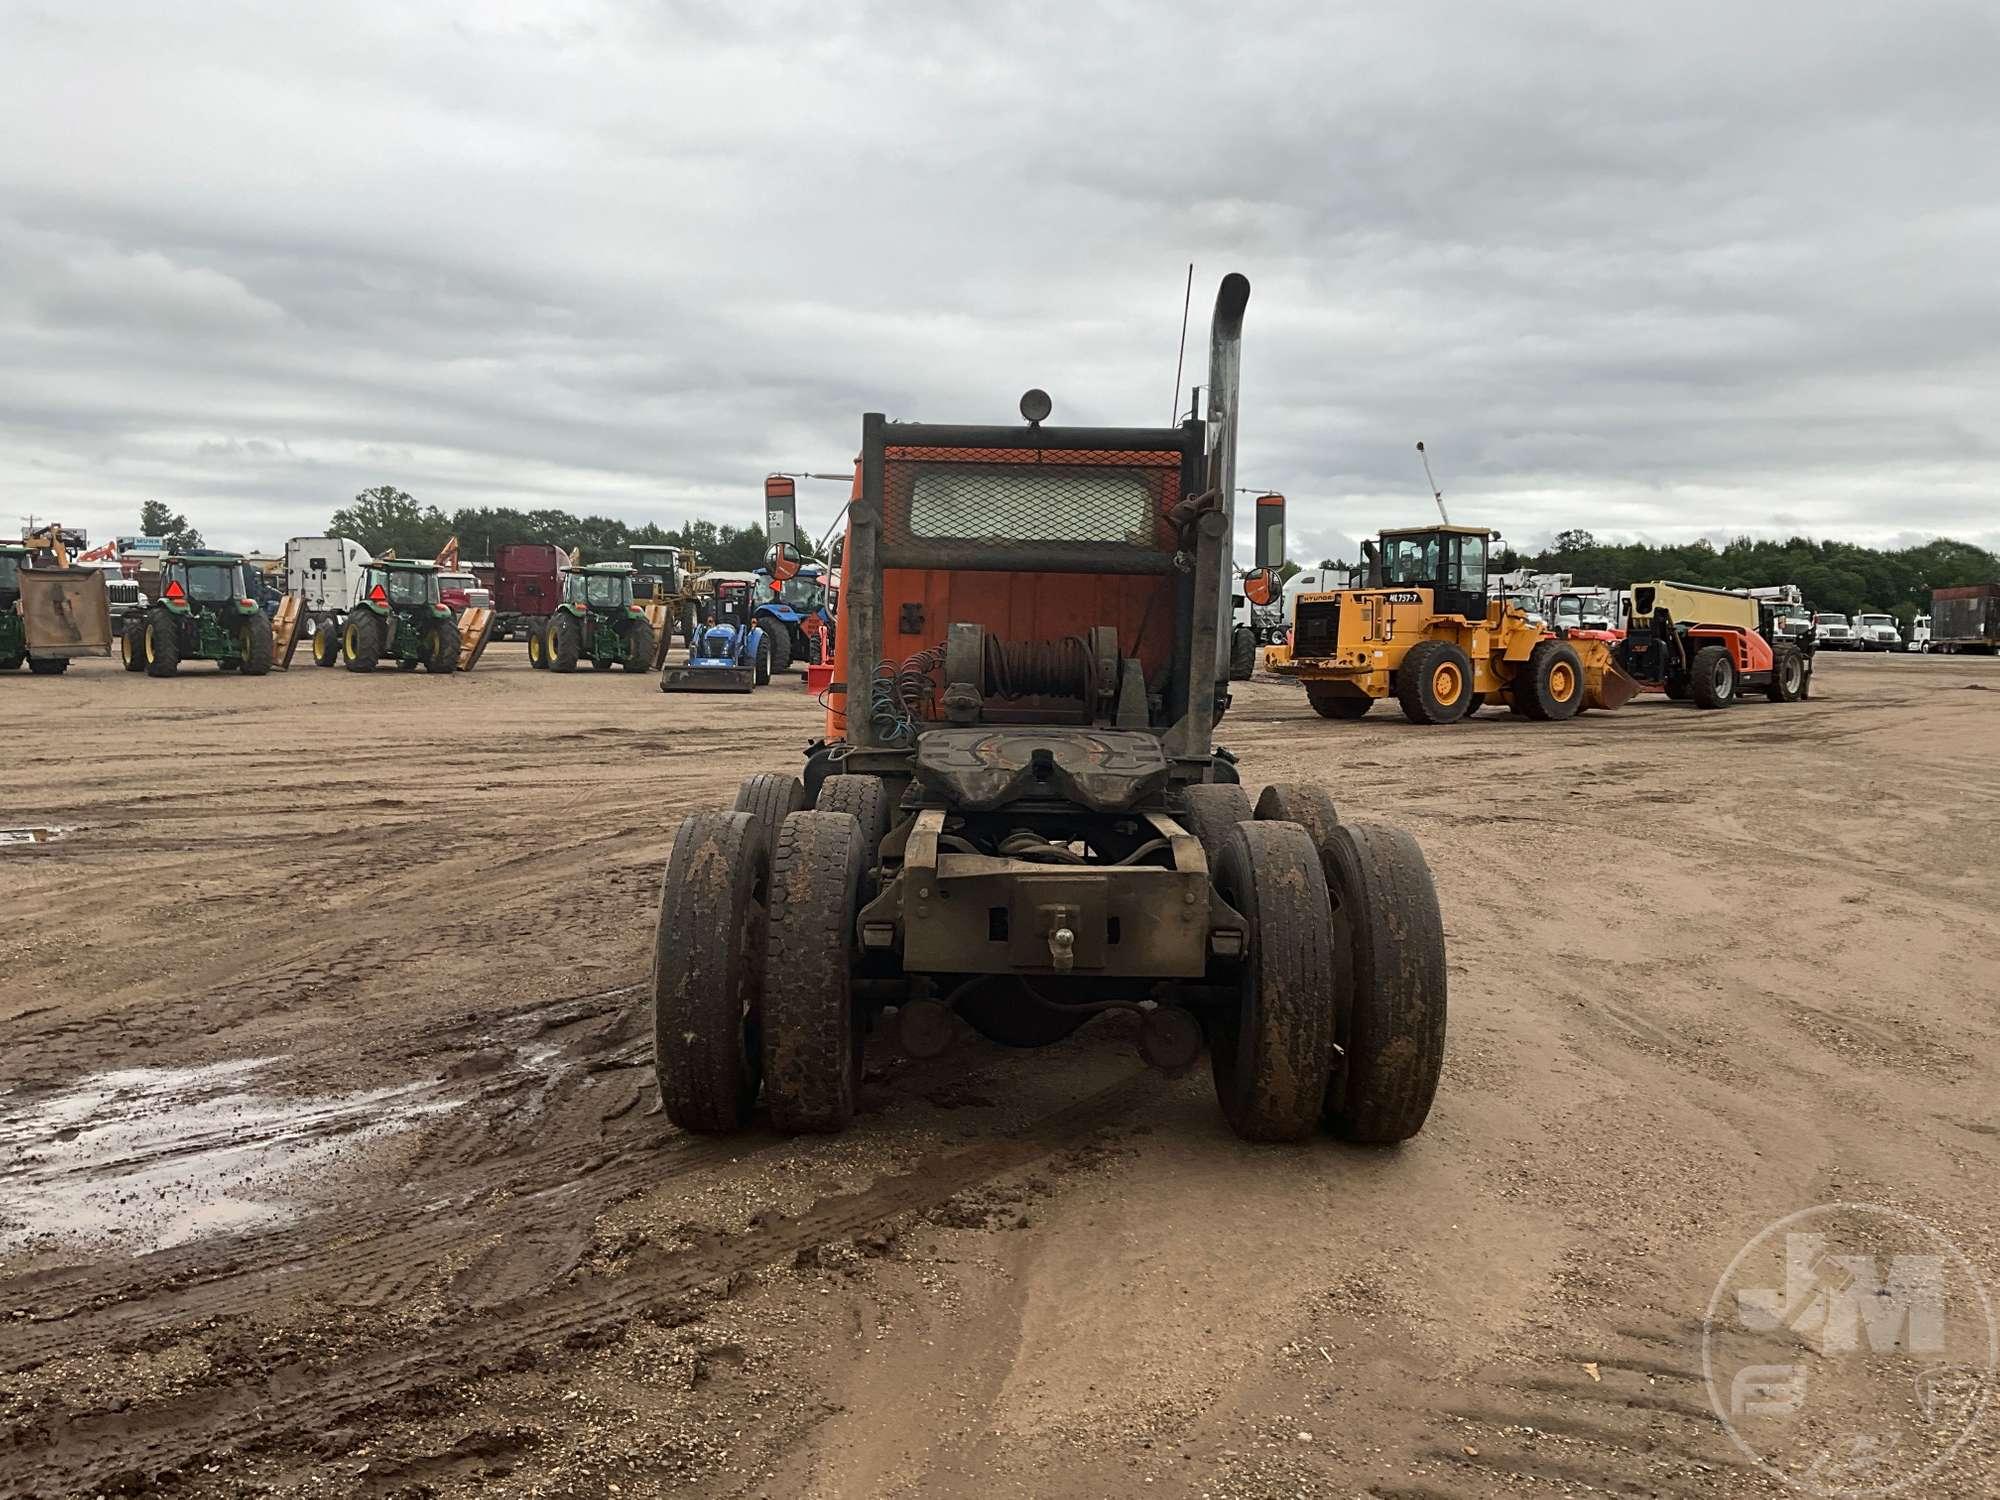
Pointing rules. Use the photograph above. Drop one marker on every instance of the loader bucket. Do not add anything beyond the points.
(1605, 684)
(65, 612)
(708, 679)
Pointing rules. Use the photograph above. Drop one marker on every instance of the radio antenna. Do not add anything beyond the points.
(1180, 360)
(1436, 493)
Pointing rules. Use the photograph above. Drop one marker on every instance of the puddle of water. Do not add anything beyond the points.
(30, 835)
(145, 1158)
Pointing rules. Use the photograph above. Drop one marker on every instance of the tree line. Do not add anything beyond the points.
(386, 518)
(1839, 576)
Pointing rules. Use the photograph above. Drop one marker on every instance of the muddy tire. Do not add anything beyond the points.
(812, 1063)
(1330, 702)
(326, 645)
(1273, 1053)
(132, 644)
(639, 640)
(1788, 674)
(1213, 808)
(1242, 653)
(1302, 803)
(771, 797)
(362, 641)
(538, 645)
(1551, 683)
(1386, 919)
(564, 642)
(258, 647)
(1712, 677)
(867, 798)
(48, 666)
(708, 971)
(163, 644)
(1434, 683)
(441, 646)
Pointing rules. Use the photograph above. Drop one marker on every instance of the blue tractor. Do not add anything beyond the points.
(796, 612)
(731, 651)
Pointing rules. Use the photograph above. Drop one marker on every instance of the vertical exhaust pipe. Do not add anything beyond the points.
(1208, 650)
(1225, 380)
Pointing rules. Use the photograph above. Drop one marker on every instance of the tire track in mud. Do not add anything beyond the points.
(287, 1402)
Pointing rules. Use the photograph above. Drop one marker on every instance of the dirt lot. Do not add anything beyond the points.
(331, 1160)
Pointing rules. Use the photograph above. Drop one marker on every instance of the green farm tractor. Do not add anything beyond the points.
(596, 622)
(13, 626)
(401, 617)
(209, 609)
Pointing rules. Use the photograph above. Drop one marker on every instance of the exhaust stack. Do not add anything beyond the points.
(1225, 365)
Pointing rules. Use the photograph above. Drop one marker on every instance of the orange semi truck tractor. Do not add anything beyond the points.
(1020, 818)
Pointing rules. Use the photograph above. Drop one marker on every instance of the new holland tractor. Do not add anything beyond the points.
(1019, 819)
(596, 622)
(731, 650)
(401, 617)
(1425, 632)
(209, 608)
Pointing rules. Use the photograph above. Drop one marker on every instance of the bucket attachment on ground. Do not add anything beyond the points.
(65, 612)
(285, 632)
(1604, 685)
(707, 679)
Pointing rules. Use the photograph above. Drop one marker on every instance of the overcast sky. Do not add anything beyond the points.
(1657, 270)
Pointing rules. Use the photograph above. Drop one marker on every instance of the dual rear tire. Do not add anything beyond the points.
(1342, 996)
(752, 971)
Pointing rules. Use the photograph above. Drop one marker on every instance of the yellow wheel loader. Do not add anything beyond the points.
(1425, 632)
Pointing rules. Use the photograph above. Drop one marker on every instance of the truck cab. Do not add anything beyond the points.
(1920, 634)
(1878, 633)
(1833, 632)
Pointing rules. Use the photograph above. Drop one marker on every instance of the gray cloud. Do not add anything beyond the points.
(1695, 271)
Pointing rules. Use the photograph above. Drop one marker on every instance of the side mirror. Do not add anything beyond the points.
(1261, 586)
(1270, 533)
(781, 510)
(783, 561)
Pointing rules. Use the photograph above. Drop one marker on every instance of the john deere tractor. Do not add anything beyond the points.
(596, 622)
(209, 608)
(400, 617)
(13, 626)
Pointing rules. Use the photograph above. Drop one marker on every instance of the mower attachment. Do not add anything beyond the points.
(706, 679)
(65, 612)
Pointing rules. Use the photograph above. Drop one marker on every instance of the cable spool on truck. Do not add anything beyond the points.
(1019, 818)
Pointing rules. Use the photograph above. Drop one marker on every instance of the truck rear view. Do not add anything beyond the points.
(1019, 819)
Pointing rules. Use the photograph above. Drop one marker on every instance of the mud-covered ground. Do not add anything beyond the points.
(330, 1161)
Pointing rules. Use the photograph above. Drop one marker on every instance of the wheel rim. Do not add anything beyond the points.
(1447, 683)
(1562, 682)
(347, 640)
(125, 649)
